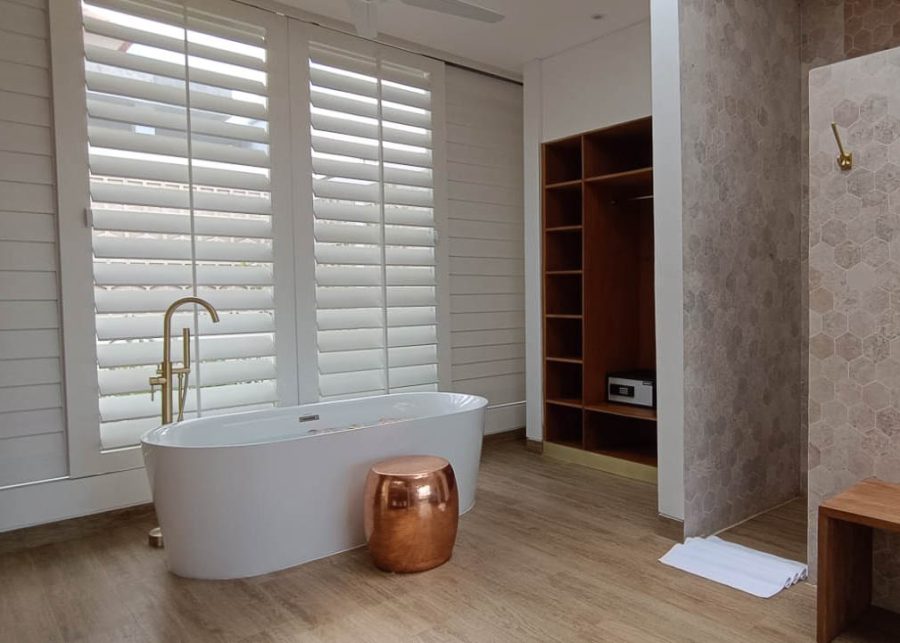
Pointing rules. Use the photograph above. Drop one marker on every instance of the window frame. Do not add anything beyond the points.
(81, 388)
(301, 34)
(293, 220)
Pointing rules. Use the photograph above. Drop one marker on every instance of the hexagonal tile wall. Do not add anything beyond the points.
(870, 25)
(743, 289)
(834, 30)
(854, 285)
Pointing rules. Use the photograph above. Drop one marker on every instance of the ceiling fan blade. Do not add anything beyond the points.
(457, 8)
(363, 15)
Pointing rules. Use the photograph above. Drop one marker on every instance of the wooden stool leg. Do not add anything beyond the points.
(845, 575)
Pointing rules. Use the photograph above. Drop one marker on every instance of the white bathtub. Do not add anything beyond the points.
(249, 493)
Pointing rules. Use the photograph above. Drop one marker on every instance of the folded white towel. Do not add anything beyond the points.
(740, 567)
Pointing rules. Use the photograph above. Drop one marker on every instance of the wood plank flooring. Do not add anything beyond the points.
(551, 552)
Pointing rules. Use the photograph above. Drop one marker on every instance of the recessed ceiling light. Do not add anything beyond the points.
(598, 16)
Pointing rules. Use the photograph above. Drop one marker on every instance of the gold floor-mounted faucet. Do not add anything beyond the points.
(166, 371)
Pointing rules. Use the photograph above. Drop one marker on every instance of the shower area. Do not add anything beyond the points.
(791, 259)
(854, 291)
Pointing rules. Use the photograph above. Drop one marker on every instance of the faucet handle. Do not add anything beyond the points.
(186, 349)
(157, 381)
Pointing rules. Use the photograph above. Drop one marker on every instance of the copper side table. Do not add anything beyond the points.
(411, 513)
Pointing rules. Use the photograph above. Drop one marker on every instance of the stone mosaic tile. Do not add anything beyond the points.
(831, 31)
(742, 254)
(870, 26)
(854, 291)
(821, 43)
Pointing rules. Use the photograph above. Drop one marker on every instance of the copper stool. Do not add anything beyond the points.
(411, 513)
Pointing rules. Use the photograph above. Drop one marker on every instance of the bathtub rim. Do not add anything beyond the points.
(153, 437)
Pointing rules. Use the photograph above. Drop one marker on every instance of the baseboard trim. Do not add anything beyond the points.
(601, 462)
(504, 436)
(504, 417)
(50, 502)
(534, 446)
(669, 528)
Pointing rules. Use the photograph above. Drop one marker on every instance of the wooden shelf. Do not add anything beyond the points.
(563, 292)
(624, 185)
(566, 401)
(564, 185)
(623, 410)
(563, 341)
(619, 148)
(563, 250)
(565, 360)
(629, 175)
(563, 424)
(563, 381)
(563, 205)
(562, 163)
(564, 228)
(566, 443)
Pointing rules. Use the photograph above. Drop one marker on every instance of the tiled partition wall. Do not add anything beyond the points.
(834, 30)
(854, 290)
(740, 67)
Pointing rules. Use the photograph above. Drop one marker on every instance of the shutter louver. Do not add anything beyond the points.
(181, 205)
(373, 204)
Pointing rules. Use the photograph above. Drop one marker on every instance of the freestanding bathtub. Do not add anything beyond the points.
(250, 493)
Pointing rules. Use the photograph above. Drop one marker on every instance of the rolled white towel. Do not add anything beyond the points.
(736, 566)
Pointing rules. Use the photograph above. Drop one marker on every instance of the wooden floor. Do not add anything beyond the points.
(551, 552)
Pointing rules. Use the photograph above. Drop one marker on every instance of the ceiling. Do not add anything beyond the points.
(531, 28)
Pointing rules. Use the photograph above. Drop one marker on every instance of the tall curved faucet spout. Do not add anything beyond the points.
(165, 371)
(167, 321)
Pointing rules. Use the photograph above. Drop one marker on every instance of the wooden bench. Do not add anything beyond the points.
(846, 524)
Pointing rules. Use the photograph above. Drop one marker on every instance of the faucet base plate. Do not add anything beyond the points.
(155, 538)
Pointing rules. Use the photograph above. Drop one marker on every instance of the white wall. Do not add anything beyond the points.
(600, 83)
(32, 430)
(487, 284)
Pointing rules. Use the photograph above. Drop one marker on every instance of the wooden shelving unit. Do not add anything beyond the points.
(598, 295)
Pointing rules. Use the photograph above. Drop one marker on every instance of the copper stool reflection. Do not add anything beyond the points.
(411, 513)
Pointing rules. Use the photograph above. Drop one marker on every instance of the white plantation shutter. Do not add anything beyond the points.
(181, 204)
(375, 235)
(325, 268)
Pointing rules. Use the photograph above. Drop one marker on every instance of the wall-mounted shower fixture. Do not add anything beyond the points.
(844, 160)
